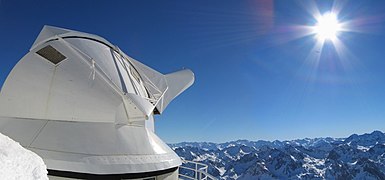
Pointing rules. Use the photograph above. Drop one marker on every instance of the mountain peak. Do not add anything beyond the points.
(378, 133)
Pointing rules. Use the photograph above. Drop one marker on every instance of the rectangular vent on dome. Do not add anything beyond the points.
(51, 54)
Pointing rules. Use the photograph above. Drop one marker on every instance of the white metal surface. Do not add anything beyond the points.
(93, 111)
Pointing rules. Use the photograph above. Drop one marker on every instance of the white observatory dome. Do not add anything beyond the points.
(87, 108)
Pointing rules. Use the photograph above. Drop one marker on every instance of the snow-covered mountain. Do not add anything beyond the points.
(355, 157)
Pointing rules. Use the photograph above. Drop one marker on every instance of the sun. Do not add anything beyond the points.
(327, 27)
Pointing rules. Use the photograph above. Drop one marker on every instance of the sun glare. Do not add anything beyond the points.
(327, 27)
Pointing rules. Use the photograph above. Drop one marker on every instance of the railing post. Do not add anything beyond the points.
(196, 170)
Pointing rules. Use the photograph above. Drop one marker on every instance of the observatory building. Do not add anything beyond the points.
(88, 109)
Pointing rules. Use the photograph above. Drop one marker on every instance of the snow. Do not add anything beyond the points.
(212, 157)
(363, 148)
(353, 163)
(193, 154)
(230, 145)
(19, 163)
(221, 170)
(314, 164)
(292, 157)
(229, 156)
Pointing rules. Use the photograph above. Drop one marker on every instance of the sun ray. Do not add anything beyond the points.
(311, 8)
(345, 56)
(338, 6)
(313, 59)
(368, 24)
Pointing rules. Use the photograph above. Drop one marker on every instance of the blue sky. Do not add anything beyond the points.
(257, 76)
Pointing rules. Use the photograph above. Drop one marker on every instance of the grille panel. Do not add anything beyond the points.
(51, 54)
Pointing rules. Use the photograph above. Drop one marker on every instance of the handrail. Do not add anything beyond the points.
(194, 171)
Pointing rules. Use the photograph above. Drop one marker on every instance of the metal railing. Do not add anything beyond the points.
(195, 171)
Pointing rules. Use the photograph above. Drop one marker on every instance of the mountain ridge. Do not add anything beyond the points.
(355, 157)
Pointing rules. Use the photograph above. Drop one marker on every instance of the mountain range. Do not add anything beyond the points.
(354, 157)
